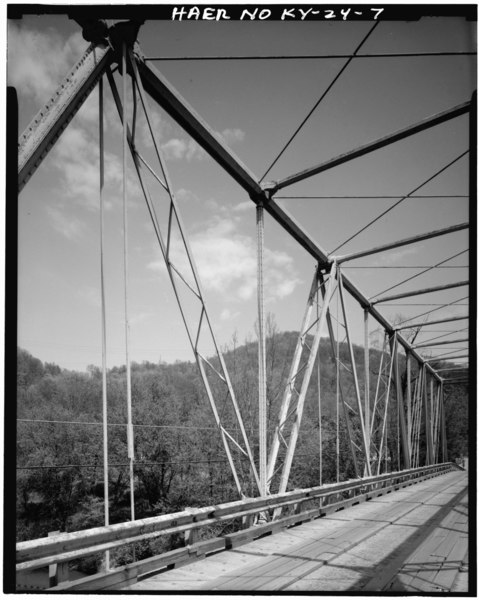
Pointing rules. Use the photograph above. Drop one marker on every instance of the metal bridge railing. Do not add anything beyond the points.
(303, 505)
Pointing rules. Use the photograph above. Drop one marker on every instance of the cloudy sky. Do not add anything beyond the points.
(254, 106)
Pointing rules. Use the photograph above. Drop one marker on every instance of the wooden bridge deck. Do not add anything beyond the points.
(412, 540)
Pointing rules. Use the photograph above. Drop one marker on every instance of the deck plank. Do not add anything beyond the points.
(411, 540)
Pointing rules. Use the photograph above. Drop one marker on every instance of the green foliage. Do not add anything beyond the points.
(179, 456)
(457, 421)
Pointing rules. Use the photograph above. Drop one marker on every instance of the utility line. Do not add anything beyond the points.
(431, 311)
(116, 424)
(311, 56)
(424, 304)
(399, 202)
(343, 68)
(445, 334)
(407, 267)
(421, 273)
(371, 197)
(138, 464)
(106, 502)
(447, 352)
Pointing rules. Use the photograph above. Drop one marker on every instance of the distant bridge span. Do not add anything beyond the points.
(412, 539)
(403, 531)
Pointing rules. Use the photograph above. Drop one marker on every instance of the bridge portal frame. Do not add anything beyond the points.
(53, 118)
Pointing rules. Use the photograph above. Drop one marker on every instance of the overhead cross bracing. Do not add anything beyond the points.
(429, 230)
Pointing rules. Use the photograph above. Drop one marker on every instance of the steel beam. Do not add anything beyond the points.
(409, 405)
(46, 127)
(367, 411)
(262, 400)
(441, 343)
(165, 94)
(305, 383)
(204, 321)
(443, 425)
(400, 406)
(364, 438)
(427, 412)
(349, 428)
(437, 288)
(427, 323)
(449, 357)
(404, 242)
(432, 121)
(175, 105)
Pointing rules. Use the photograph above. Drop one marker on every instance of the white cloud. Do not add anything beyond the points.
(91, 296)
(186, 196)
(227, 315)
(245, 206)
(177, 149)
(394, 257)
(38, 61)
(67, 225)
(161, 127)
(227, 263)
(76, 157)
(140, 317)
(231, 136)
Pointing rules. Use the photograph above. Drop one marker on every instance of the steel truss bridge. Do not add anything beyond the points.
(416, 395)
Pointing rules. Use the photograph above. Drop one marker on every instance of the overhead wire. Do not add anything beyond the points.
(130, 434)
(318, 375)
(399, 202)
(298, 129)
(406, 267)
(312, 56)
(431, 311)
(447, 352)
(422, 304)
(444, 335)
(418, 274)
(369, 197)
(60, 422)
(106, 502)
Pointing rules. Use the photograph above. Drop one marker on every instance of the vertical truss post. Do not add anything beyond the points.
(443, 426)
(383, 437)
(129, 433)
(355, 377)
(320, 415)
(417, 413)
(262, 434)
(295, 415)
(434, 414)
(290, 385)
(367, 414)
(335, 355)
(400, 407)
(437, 422)
(408, 404)
(427, 419)
(204, 322)
(106, 501)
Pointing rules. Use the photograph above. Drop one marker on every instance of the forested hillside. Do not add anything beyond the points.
(179, 458)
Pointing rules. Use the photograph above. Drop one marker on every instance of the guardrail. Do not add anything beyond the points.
(307, 504)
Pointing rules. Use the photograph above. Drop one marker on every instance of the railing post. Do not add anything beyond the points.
(247, 521)
(191, 536)
(58, 572)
